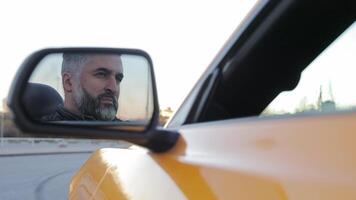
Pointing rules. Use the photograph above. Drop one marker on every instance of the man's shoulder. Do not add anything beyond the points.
(61, 114)
(56, 116)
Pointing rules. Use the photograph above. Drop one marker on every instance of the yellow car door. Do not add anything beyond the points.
(261, 123)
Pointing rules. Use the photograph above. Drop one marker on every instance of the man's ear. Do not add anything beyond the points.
(67, 82)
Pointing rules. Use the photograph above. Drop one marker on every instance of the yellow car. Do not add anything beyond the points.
(272, 117)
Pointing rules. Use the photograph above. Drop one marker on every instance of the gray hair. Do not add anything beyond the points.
(73, 63)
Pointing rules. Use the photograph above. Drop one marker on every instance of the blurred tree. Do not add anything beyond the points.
(164, 115)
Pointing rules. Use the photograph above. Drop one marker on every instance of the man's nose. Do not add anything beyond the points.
(112, 84)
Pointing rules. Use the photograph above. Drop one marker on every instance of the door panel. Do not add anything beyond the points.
(305, 157)
(310, 157)
(114, 174)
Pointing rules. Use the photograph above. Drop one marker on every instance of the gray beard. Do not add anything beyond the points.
(91, 106)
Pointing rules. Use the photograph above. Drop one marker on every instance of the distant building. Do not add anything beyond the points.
(326, 102)
(328, 106)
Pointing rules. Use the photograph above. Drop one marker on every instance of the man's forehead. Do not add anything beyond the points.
(110, 62)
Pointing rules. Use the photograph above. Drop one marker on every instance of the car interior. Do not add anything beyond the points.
(41, 100)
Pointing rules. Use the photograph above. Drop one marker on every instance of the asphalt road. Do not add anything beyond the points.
(38, 176)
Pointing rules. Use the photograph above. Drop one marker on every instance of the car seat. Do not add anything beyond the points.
(40, 100)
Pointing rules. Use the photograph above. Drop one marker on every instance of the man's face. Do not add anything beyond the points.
(99, 86)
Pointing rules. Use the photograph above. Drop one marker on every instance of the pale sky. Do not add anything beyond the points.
(334, 70)
(182, 37)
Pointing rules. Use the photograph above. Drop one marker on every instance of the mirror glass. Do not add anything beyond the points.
(90, 87)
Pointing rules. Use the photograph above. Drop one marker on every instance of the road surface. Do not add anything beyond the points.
(38, 176)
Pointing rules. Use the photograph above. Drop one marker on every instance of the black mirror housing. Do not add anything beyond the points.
(145, 135)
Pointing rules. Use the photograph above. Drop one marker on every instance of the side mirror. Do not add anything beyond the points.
(97, 93)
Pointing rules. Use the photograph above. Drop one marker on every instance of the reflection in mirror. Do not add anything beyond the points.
(90, 87)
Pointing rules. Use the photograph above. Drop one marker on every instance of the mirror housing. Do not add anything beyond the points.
(148, 135)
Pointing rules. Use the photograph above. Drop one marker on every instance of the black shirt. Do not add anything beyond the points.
(62, 114)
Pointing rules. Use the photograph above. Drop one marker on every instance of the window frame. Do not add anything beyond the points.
(276, 37)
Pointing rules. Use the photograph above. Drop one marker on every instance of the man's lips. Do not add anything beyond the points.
(107, 100)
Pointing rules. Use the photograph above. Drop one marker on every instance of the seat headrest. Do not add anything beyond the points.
(41, 100)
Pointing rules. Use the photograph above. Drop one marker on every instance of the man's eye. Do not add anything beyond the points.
(100, 74)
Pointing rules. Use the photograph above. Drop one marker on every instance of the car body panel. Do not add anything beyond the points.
(299, 157)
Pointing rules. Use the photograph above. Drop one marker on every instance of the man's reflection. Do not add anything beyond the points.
(91, 84)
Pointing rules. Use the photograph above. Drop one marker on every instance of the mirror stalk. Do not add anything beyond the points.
(162, 140)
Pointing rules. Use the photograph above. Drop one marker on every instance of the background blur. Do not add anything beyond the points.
(182, 37)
